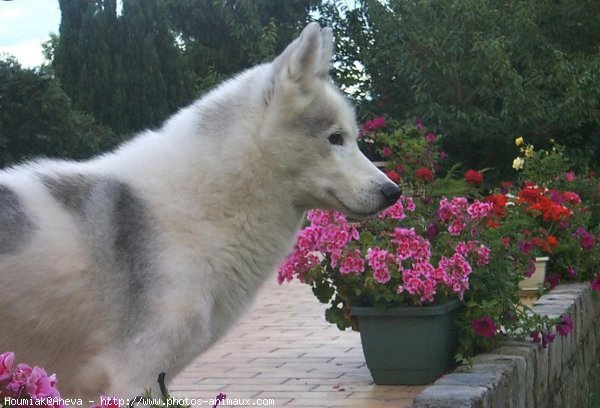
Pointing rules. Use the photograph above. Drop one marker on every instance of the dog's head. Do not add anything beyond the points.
(311, 133)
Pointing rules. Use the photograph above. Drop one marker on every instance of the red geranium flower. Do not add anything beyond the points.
(473, 177)
(538, 242)
(392, 175)
(498, 201)
(484, 326)
(530, 195)
(424, 174)
(551, 211)
(492, 224)
(552, 242)
(548, 209)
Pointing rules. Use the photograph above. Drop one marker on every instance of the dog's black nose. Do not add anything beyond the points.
(391, 192)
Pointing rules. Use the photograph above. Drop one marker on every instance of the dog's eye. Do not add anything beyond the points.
(336, 139)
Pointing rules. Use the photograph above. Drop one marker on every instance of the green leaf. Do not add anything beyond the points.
(323, 290)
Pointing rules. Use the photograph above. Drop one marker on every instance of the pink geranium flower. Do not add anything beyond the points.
(352, 263)
(6, 363)
(396, 211)
(565, 326)
(552, 280)
(419, 125)
(596, 283)
(382, 276)
(542, 337)
(479, 209)
(375, 124)
(23, 381)
(456, 227)
(40, 385)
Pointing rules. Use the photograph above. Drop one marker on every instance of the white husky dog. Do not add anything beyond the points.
(115, 269)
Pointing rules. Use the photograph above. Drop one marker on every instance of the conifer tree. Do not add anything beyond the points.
(85, 54)
(127, 70)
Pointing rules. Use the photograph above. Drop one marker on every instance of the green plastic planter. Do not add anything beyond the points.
(408, 345)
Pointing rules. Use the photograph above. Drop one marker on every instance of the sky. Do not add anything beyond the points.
(25, 25)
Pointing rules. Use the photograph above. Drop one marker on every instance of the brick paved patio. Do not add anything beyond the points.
(284, 350)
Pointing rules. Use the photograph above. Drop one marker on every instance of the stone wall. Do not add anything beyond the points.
(522, 374)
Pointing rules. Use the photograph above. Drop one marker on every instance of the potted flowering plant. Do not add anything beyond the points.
(437, 246)
(529, 217)
(567, 205)
(360, 269)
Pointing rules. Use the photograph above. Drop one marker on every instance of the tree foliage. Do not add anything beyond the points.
(479, 71)
(127, 69)
(223, 37)
(36, 119)
(482, 72)
(133, 70)
(85, 58)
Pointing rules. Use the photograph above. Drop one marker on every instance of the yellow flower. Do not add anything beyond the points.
(518, 163)
(529, 151)
(519, 141)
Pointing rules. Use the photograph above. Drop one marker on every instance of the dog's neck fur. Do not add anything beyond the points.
(196, 198)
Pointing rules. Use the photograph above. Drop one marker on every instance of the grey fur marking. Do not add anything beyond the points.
(15, 226)
(132, 235)
(316, 119)
(71, 191)
(118, 231)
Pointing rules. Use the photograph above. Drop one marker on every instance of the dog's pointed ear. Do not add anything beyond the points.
(326, 51)
(306, 58)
